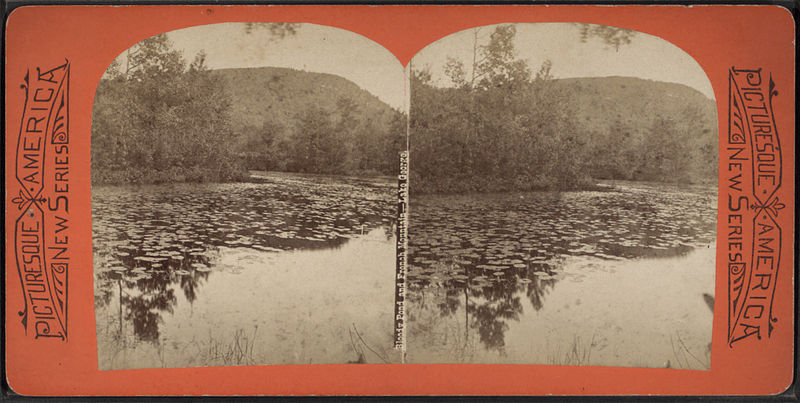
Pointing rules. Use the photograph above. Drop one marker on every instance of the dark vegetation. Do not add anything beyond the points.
(157, 119)
(505, 127)
(502, 126)
(294, 121)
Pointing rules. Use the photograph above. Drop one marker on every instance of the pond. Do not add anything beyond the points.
(275, 272)
(621, 276)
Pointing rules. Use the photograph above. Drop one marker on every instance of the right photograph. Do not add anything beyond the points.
(563, 209)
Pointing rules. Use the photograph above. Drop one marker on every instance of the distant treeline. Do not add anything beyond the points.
(502, 127)
(157, 118)
(340, 140)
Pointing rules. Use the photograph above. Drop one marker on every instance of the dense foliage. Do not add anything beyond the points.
(158, 119)
(296, 121)
(500, 126)
(503, 127)
(155, 119)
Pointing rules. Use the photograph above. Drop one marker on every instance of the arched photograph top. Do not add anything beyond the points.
(563, 199)
(243, 195)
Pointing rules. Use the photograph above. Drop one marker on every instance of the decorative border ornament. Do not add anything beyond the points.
(754, 177)
(41, 230)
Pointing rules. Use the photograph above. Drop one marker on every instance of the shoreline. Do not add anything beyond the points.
(599, 185)
(253, 177)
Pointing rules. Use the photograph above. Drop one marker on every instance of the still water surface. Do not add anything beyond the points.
(294, 270)
(300, 270)
(610, 277)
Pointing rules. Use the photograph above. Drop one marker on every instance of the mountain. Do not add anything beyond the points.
(629, 121)
(279, 94)
(290, 120)
(600, 101)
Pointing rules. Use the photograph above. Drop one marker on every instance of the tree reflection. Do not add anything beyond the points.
(144, 298)
(190, 283)
(488, 302)
(144, 311)
(538, 288)
(492, 306)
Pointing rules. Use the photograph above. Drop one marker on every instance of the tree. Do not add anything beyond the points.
(158, 119)
(503, 128)
(315, 148)
(611, 36)
(700, 128)
(278, 30)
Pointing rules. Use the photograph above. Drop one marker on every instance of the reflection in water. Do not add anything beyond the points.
(185, 274)
(492, 264)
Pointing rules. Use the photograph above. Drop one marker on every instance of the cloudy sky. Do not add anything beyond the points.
(647, 56)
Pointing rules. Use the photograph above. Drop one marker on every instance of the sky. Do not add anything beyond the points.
(321, 49)
(647, 56)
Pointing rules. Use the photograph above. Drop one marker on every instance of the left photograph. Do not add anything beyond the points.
(244, 181)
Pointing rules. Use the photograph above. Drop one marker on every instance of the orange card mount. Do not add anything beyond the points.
(203, 200)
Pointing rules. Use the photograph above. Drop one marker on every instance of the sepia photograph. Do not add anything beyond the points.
(400, 200)
(563, 199)
(244, 183)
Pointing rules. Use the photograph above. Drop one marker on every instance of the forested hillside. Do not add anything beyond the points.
(633, 101)
(505, 127)
(291, 120)
(157, 118)
(281, 92)
(643, 129)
